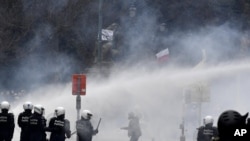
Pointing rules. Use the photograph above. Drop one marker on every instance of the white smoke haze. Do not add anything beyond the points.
(154, 92)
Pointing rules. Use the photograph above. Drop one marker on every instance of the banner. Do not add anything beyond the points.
(107, 35)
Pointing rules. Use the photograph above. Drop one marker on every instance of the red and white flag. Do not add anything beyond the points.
(162, 55)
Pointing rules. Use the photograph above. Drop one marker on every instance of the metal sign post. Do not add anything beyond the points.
(78, 89)
(78, 109)
(182, 125)
(100, 33)
(78, 99)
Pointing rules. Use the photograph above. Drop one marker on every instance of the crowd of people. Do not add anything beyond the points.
(33, 124)
(130, 35)
(231, 125)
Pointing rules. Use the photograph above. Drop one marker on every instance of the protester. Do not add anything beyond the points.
(133, 128)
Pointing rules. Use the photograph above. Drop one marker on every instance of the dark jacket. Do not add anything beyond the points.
(59, 127)
(7, 125)
(23, 123)
(85, 130)
(205, 133)
(37, 125)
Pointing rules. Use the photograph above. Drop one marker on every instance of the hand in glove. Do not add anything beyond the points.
(215, 139)
(95, 131)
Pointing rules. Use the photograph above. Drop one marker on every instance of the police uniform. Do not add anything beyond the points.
(205, 133)
(85, 130)
(37, 124)
(59, 127)
(23, 123)
(7, 126)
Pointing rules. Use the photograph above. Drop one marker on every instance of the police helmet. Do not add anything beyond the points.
(5, 105)
(208, 120)
(38, 109)
(28, 105)
(59, 111)
(229, 121)
(86, 114)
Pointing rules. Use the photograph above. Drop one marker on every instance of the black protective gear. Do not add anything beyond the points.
(59, 127)
(37, 125)
(23, 123)
(248, 129)
(228, 122)
(85, 130)
(96, 131)
(7, 125)
(207, 132)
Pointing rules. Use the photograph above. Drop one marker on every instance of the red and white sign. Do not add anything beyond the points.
(78, 84)
(162, 55)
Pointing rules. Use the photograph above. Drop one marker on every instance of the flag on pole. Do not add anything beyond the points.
(163, 55)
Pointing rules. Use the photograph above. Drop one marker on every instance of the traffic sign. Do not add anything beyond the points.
(78, 84)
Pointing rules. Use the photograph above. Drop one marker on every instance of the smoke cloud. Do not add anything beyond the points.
(152, 90)
(156, 95)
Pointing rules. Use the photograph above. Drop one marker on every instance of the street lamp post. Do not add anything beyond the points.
(100, 33)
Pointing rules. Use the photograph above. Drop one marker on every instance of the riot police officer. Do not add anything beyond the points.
(7, 123)
(59, 126)
(229, 121)
(37, 125)
(84, 127)
(23, 120)
(207, 132)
